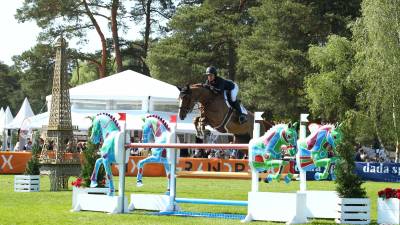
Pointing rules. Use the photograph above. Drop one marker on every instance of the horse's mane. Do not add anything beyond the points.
(198, 85)
(160, 119)
(112, 118)
(275, 127)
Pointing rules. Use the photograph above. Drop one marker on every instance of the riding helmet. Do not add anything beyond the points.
(211, 70)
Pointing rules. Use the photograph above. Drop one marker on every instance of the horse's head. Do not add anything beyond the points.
(102, 125)
(186, 101)
(153, 127)
(289, 134)
(335, 136)
(95, 137)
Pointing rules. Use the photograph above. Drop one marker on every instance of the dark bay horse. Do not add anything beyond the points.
(213, 112)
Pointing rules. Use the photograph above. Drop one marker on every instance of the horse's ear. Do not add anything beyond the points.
(290, 124)
(296, 125)
(90, 117)
(179, 88)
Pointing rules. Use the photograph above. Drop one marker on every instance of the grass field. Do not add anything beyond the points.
(47, 207)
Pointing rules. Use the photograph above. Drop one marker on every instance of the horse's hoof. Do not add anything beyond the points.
(318, 176)
(93, 184)
(288, 179)
(266, 180)
(139, 184)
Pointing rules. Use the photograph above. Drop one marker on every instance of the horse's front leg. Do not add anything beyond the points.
(273, 164)
(326, 163)
(198, 126)
(109, 176)
(150, 159)
(167, 167)
(93, 178)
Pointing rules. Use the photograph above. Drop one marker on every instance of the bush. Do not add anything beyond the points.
(33, 166)
(89, 159)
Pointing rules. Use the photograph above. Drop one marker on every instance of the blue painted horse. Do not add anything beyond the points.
(268, 150)
(105, 128)
(318, 150)
(157, 130)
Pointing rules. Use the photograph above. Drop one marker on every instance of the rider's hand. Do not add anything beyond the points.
(214, 90)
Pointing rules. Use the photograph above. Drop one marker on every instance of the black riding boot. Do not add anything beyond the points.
(242, 116)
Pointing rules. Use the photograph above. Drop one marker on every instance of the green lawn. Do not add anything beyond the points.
(47, 207)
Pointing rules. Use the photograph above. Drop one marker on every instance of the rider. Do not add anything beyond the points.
(218, 85)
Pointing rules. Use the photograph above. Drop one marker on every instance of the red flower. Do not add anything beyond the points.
(77, 182)
(389, 193)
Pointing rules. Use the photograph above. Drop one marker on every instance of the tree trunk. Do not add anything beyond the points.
(103, 64)
(395, 129)
(147, 36)
(114, 30)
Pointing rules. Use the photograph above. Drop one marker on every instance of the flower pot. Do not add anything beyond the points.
(26, 183)
(353, 211)
(388, 211)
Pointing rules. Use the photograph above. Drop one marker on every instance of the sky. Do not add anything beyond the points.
(16, 38)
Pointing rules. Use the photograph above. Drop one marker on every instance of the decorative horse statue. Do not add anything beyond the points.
(105, 127)
(268, 150)
(157, 130)
(319, 149)
(214, 111)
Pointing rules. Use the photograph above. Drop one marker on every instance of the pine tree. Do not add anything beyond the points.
(349, 184)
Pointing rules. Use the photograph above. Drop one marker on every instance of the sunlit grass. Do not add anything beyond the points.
(47, 207)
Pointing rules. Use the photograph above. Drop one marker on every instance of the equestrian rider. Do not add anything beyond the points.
(218, 85)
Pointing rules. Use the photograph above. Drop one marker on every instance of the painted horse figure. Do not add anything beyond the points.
(105, 127)
(214, 111)
(157, 130)
(268, 150)
(319, 149)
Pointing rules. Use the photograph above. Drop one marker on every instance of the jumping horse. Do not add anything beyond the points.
(214, 111)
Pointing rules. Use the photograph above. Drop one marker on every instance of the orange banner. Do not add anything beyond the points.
(15, 163)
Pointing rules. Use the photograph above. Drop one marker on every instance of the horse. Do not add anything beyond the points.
(214, 111)
(157, 130)
(105, 127)
(267, 150)
(319, 149)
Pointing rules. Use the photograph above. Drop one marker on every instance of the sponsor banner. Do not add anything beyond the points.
(13, 162)
(383, 172)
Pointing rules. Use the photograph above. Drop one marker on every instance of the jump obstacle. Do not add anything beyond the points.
(294, 208)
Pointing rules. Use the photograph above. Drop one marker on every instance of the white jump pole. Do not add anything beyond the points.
(172, 178)
(302, 135)
(121, 168)
(256, 133)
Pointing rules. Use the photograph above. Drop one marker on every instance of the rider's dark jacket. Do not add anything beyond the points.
(219, 84)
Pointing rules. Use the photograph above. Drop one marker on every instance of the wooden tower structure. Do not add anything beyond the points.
(59, 158)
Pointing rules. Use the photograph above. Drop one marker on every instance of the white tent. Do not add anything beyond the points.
(127, 90)
(2, 113)
(7, 118)
(81, 120)
(24, 112)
